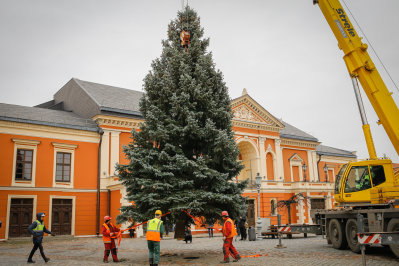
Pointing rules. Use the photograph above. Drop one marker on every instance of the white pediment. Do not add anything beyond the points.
(247, 110)
(243, 112)
(295, 157)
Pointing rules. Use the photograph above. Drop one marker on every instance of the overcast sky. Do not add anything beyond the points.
(283, 52)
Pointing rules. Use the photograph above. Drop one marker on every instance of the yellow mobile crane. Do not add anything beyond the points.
(370, 187)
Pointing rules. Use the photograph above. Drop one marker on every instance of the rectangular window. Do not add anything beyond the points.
(358, 179)
(63, 167)
(377, 174)
(23, 169)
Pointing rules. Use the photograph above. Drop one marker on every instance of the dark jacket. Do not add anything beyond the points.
(37, 236)
(241, 223)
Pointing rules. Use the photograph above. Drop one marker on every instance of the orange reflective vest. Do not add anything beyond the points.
(107, 239)
(233, 228)
(154, 230)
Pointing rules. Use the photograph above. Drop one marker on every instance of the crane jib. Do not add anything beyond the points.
(345, 22)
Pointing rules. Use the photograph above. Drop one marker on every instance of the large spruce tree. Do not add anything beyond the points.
(184, 156)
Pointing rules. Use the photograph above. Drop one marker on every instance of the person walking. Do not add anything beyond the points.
(210, 229)
(131, 232)
(229, 231)
(187, 234)
(237, 229)
(154, 231)
(37, 230)
(166, 226)
(109, 234)
(242, 228)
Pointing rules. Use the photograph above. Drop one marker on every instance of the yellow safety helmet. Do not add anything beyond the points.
(158, 212)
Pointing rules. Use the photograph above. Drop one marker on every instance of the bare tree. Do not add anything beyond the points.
(287, 203)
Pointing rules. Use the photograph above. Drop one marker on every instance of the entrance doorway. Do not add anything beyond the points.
(249, 158)
(251, 212)
(61, 216)
(21, 213)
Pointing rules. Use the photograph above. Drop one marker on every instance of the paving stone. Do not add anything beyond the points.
(203, 251)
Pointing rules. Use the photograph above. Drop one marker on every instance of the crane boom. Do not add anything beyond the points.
(361, 67)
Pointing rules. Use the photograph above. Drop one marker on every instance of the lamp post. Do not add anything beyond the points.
(304, 167)
(258, 180)
(325, 168)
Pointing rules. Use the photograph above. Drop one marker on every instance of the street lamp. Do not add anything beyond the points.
(304, 167)
(325, 168)
(258, 180)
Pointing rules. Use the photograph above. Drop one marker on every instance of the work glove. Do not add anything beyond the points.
(52, 234)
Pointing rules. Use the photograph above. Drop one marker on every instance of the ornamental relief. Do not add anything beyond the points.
(244, 113)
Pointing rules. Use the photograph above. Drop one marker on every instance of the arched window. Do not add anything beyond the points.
(273, 207)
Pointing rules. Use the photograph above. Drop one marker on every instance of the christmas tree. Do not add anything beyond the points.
(184, 156)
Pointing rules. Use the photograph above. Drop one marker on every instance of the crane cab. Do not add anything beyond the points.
(369, 181)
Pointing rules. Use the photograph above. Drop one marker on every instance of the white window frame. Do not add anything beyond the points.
(296, 162)
(12, 196)
(66, 148)
(333, 173)
(73, 198)
(26, 144)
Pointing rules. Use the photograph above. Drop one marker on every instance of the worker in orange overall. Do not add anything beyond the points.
(109, 234)
(229, 231)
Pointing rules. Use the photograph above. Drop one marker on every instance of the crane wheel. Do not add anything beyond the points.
(393, 226)
(351, 235)
(337, 234)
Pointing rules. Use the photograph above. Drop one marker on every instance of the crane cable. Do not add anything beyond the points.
(365, 36)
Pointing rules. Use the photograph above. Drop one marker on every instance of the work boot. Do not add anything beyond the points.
(237, 259)
(46, 259)
(31, 261)
(105, 260)
(225, 261)
(115, 258)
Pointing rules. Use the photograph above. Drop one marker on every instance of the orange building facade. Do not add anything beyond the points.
(48, 168)
(68, 148)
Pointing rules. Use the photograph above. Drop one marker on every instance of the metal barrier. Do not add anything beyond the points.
(280, 245)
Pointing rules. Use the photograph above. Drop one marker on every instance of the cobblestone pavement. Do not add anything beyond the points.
(203, 251)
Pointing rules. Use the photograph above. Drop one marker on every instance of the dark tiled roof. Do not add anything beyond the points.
(112, 99)
(330, 151)
(292, 132)
(42, 116)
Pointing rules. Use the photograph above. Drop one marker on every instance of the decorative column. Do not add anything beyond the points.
(105, 154)
(114, 151)
(328, 200)
(315, 174)
(279, 155)
(301, 212)
(310, 166)
(310, 221)
(262, 155)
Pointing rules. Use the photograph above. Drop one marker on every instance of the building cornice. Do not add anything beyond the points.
(105, 120)
(42, 131)
(26, 141)
(64, 145)
(299, 143)
(254, 125)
